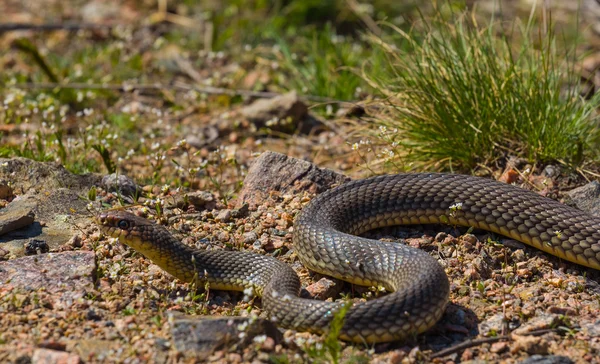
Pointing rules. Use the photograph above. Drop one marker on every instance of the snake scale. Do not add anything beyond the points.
(326, 241)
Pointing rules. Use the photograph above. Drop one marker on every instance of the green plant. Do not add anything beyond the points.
(330, 349)
(323, 64)
(105, 154)
(459, 94)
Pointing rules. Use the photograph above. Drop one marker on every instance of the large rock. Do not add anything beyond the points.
(586, 198)
(65, 276)
(199, 337)
(56, 212)
(32, 177)
(50, 193)
(275, 172)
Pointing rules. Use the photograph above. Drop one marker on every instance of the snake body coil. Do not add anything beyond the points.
(326, 242)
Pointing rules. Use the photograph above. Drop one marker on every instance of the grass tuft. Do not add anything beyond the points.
(459, 94)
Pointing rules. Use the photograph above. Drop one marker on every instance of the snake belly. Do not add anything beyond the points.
(325, 239)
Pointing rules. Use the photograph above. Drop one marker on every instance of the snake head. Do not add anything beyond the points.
(127, 227)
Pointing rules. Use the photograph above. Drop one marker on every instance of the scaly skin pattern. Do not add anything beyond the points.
(326, 241)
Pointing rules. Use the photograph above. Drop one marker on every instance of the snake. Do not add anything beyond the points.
(327, 239)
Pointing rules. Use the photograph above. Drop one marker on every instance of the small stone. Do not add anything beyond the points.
(440, 237)
(75, 241)
(249, 237)
(268, 345)
(18, 214)
(222, 236)
(324, 288)
(493, 325)
(234, 358)
(547, 359)
(592, 329)
(396, 356)
(467, 355)
(199, 337)
(94, 348)
(274, 172)
(513, 244)
(201, 200)
(519, 255)
(529, 344)
(224, 216)
(499, 347)
(565, 311)
(92, 316)
(281, 113)
(3, 253)
(551, 171)
(471, 274)
(121, 184)
(539, 322)
(469, 238)
(6, 192)
(200, 138)
(48, 356)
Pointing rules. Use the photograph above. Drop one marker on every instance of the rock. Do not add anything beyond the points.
(201, 200)
(199, 337)
(539, 322)
(224, 216)
(586, 198)
(547, 359)
(268, 344)
(90, 349)
(54, 194)
(6, 192)
(48, 356)
(551, 171)
(513, 244)
(66, 276)
(493, 325)
(591, 329)
(17, 215)
(499, 347)
(277, 172)
(563, 311)
(529, 344)
(56, 212)
(121, 184)
(324, 288)
(36, 246)
(31, 177)
(200, 138)
(282, 113)
(249, 238)
(3, 253)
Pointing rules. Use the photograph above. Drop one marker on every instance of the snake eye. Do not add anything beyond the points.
(123, 224)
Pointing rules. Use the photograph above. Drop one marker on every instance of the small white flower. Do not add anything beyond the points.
(259, 339)
(456, 206)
